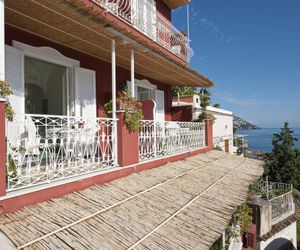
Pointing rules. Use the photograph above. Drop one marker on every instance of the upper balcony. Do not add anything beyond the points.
(144, 17)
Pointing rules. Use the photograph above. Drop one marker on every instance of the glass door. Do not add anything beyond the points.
(47, 87)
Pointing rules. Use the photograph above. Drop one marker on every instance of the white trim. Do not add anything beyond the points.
(47, 54)
(132, 74)
(145, 84)
(2, 41)
(51, 55)
(78, 108)
(114, 98)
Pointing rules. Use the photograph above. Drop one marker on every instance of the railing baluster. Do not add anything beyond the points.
(145, 18)
(51, 148)
(159, 139)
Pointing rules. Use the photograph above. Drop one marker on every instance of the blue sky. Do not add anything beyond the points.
(251, 50)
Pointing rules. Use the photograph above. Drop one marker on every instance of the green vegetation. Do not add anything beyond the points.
(5, 91)
(283, 163)
(131, 107)
(217, 245)
(218, 148)
(205, 99)
(242, 218)
(182, 91)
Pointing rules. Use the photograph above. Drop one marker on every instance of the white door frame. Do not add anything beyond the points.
(52, 55)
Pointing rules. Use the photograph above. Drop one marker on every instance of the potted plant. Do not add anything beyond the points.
(132, 109)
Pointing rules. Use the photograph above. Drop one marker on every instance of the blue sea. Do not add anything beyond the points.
(261, 139)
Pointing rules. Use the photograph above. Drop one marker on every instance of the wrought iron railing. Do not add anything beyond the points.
(282, 207)
(42, 148)
(158, 139)
(279, 196)
(143, 16)
(270, 190)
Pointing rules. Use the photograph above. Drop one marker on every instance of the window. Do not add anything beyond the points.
(46, 87)
(144, 94)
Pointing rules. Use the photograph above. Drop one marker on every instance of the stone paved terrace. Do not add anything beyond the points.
(182, 205)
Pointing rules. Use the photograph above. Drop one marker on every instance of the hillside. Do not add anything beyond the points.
(239, 123)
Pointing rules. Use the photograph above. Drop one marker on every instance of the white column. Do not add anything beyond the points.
(114, 98)
(224, 240)
(2, 41)
(132, 85)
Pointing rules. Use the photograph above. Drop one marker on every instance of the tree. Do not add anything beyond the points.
(182, 91)
(205, 101)
(217, 105)
(282, 164)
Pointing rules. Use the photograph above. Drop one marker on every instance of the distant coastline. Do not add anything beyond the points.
(261, 139)
(241, 124)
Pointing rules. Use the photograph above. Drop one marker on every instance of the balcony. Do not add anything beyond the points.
(278, 198)
(143, 16)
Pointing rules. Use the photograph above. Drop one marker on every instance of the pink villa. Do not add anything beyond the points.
(64, 60)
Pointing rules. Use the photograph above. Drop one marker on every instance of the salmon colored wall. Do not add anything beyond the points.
(182, 113)
(148, 109)
(188, 99)
(128, 143)
(163, 9)
(102, 68)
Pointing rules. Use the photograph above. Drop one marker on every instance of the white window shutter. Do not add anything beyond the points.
(14, 75)
(85, 93)
(160, 105)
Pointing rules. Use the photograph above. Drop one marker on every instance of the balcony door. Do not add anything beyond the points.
(46, 87)
(45, 82)
(144, 17)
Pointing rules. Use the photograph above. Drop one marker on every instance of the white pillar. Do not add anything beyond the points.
(114, 97)
(132, 85)
(2, 41)
(188, 22)
(224, 240)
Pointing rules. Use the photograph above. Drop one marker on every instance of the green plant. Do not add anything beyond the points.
(217, 245)
(283, 163)
(5, 91)
(11, 170)
(218, 148)
(205, 101)
(244, 218)
(132, 108)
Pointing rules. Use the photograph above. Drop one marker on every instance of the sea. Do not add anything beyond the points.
(261, 139)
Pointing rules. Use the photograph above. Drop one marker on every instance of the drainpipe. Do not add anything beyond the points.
(2, 41)
(132, 74)
(114, 99)
(188, 21)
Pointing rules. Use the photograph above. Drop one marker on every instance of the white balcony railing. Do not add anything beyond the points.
(271, 190)
(143, 16)
(42, 149)
(282, 207)
(158, 139)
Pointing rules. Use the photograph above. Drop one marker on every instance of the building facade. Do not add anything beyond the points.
(64, 60)
(187, 108)
(274, 221)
